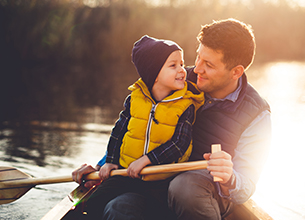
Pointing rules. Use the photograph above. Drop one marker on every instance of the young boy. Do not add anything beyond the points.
(155, 127)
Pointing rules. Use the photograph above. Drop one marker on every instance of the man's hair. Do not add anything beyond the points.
(233, 38)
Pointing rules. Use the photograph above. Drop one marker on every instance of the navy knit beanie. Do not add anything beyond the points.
(149, 55)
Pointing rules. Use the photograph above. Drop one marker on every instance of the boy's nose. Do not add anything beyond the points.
(182, 69)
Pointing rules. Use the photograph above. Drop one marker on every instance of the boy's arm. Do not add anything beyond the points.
(117, 134)
(175, 148)
(136, 166)
(113, 148)
(101, 162)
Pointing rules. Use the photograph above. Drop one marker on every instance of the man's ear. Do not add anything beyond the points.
(156, 80)
(237, 71)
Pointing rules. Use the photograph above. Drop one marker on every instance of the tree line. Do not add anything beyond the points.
(58, 56)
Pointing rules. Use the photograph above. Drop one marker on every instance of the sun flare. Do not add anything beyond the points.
(282, 178)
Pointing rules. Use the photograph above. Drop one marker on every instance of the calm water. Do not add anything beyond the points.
(42, 152)
(281, 189)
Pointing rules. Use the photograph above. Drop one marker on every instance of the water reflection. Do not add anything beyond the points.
(36, 141)
(88, 142)
(35, 145)
(281, 188)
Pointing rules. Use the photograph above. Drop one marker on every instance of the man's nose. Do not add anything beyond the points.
(198, 69)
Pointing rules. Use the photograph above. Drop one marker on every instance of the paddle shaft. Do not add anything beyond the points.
(167, 168)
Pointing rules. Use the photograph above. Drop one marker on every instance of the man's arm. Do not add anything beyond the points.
(250, 156)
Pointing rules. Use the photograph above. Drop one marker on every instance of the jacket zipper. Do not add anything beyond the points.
(151, 118)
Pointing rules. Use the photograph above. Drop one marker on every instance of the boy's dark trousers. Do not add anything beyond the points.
(151, 194)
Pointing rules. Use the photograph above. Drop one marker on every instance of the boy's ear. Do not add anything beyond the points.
(237, 71)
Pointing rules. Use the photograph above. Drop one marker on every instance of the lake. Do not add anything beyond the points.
(45, 149)
(280, 190)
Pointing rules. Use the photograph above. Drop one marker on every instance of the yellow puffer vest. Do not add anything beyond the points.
(144, 134)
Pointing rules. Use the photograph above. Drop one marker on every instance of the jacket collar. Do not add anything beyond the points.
(233, 100)
(139, 84)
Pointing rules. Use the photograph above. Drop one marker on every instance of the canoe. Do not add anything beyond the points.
(249, 210)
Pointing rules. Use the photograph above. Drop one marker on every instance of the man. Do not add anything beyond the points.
(234, 115)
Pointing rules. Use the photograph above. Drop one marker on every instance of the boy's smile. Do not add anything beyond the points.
(171, 77)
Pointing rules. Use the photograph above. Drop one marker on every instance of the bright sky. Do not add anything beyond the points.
(292, 3)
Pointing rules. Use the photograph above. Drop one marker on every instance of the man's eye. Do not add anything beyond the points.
(208, 65)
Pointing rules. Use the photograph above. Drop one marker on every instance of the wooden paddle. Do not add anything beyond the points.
(215, 148)
(15, 183)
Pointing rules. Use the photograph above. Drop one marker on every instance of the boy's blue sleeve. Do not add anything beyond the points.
(103, 160)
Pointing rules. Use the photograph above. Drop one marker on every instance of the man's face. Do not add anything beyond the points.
(212, 75)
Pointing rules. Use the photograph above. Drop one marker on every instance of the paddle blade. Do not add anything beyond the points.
(11, 193)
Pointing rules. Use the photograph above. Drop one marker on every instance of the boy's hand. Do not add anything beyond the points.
(135, 167)
(106, 169)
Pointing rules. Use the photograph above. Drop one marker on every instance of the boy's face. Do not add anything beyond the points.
(172, 75)
(212, 75)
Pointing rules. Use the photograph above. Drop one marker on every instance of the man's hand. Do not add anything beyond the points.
(220, 165)
(104, 172)
(77, 175)
(135, 167)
